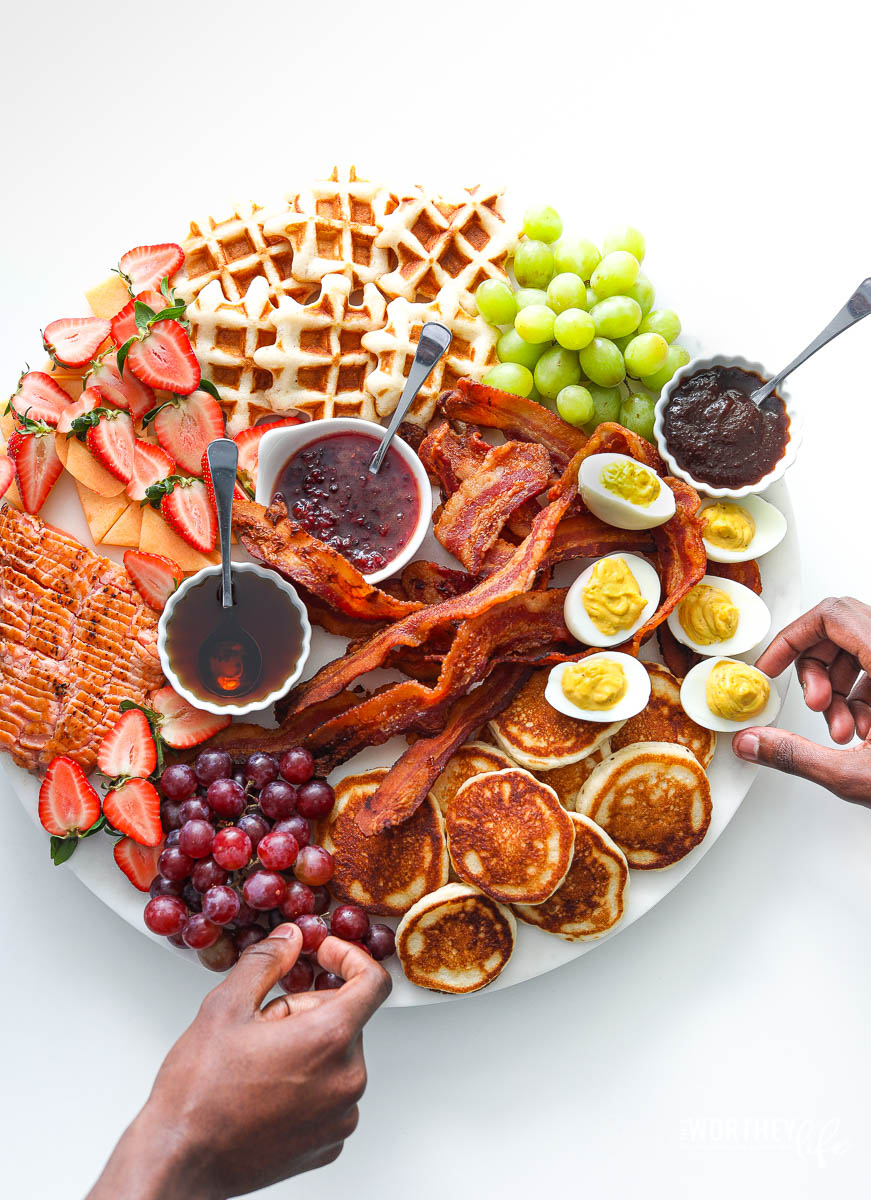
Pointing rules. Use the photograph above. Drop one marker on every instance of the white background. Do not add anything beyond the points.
(722, 1042)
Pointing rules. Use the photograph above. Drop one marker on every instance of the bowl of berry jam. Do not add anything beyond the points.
(321, 470)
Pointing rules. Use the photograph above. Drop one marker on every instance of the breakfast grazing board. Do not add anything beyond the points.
(508, 658)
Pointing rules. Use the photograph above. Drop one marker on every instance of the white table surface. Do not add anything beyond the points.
(721, 1043)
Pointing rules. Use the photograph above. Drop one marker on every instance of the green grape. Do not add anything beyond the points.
(566, 290)
(510, 377)
(544, 224)
(636, 413)
(533, 264)
(557, 368)
(642, 291)
(523, 297)
(616, 316)
(602, 363)
(576, 255)
(606, 407)
(645, 354)
(663, 321)
(622, 342)
(626, 237)
(511, 348)
(574, 329)
(535, 323)
(615, 274)
(676, 358)
(496, 302)
(575, 404)
(592, 299)
(535, 395)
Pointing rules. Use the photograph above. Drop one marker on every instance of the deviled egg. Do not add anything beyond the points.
(735, 531)
(726, 695)
(720, 616)
(612, 598)
(602, 687)
(624, 493)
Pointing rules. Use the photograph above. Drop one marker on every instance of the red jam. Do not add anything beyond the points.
(329, 490)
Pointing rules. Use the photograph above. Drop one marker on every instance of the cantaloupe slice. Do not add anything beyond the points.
(107, 298)
(67, 378)
(158, 538)
(101, 512)
(127, 529)
(82, 465)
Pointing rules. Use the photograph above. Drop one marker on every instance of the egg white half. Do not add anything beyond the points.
(636, 698)
(754, 620)
(770, 530)
(695, 704)
(576, 615)
(613, 509)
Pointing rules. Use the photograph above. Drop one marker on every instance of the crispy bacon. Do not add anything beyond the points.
(515, 416)
(585, 536)
(611, 438)
(451, 457)
(339, 623)
(430, 582)
(741, 572)
(677, 657)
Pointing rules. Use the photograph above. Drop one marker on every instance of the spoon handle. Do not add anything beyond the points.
(857, 307)
(223, 457)
(434, 341)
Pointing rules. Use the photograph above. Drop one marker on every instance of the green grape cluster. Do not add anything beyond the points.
(579, 331)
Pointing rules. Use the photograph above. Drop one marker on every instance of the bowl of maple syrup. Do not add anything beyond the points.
(216, 670)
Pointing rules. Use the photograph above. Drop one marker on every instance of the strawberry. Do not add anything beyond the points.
(37, 465)
(111, 442)
(154, 577)
(128, 748)
(150, 465)
(186, 508)
(164, 358)
(87, 402)
(7, 473)
(182, 725)
(145, 266)
(117, 391)
(139, 863)
(134, 809)
(68, 804)
(39, 397)
(239, 492)
(186, 424)
(248, 442)
(73, 341)
(123, 323)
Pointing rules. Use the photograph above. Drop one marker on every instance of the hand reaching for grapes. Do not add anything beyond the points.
(831, 649)
(250, 1095)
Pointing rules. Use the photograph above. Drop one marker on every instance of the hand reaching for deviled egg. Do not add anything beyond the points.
(831, 649)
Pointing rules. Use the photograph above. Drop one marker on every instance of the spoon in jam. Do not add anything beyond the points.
(434, 341)
(230, 662)
(857, 307)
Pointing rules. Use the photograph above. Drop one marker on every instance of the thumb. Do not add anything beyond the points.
(260, 968)
(837, 770)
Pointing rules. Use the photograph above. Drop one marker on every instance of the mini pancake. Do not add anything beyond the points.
(664, 720)
(653, 799)
(509, 835)
(455, 940)
(542, 739)
(385, 873)
(591, 898)
(568, 781)
(472, 759)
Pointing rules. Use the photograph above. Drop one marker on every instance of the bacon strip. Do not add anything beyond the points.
(585, 536)
(430, 582)
(741, 572)
(678, 658)
(611, 438)
(450, 458)
(516, 417)
(339, 623)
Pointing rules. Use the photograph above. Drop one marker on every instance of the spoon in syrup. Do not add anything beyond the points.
(434, 341)
(230, 662)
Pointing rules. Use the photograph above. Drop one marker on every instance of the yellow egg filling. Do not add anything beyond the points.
(707, 615)
(630, 481)
(736, 692)
(596, 685)
(612, 598)
(728, 526)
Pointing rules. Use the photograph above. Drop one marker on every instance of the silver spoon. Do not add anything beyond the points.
(434, 341)
(857, 307)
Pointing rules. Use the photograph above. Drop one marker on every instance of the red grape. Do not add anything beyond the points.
(175, 939)
(170, 818)
(221, 904)
(350, 922)
(165, 915)
(380, 941)
(165, 887)
(174, 864)
(322, 900)
(195, 838)
(172, 837)
(199, 932)
(226, 798)
(296, 825)
(278, 799)
(314, 930)
(299, 899)
(278, 851)
(326, 981)
(248, 935)
(255, 826)
(221, 956)
(314, 865)
(207, 873)
(246, 915)
(264, 890)
(232, 848)
(260, 769)
(315, 799)
(297, 765)
(178, 782)
(299, 978)
(194, 809)
(192, 897)
(213, 764)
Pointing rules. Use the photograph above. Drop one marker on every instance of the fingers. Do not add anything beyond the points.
(294, 1005)
(812, 669)
(839, 718)
(844, 772)
(859, 704)
(846, 622)
(367, 985)
(260, 968)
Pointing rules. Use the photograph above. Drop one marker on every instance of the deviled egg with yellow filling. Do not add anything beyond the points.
(601, 687)
(624, 493)
(612, 598)
(720, 616)
(726, 695)
(737, 530)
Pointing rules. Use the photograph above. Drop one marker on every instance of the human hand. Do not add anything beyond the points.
(249, 1095)
(831, 649)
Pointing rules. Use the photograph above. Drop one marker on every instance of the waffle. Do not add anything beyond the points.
(333, 228)
(318, 362)
(472, 352)
(439, 242)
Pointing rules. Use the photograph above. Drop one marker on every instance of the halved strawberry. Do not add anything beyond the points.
(150, 465)
(32, 449)
(68, 804)
(187, 509)
(164, 358)
(186, 424)
(123, 323)
(182, 725)
(111, 441)
(127, 392)
(73, 341)
(154, 577)
(248, 442)
(139, 863)
(146, 266)
(128, 748)
(239, 492)
(39, 397)
(134, 809)
(87, 402)
(7, 473)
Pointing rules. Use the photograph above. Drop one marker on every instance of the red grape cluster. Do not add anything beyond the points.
(239, 859)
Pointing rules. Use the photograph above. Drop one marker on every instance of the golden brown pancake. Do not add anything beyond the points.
(509, 835)
(455, 940)
(540, 738)
(385, 873)
(664, 720)
(472, 759)
(654, 800)
(591, 898)
(568, 781)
